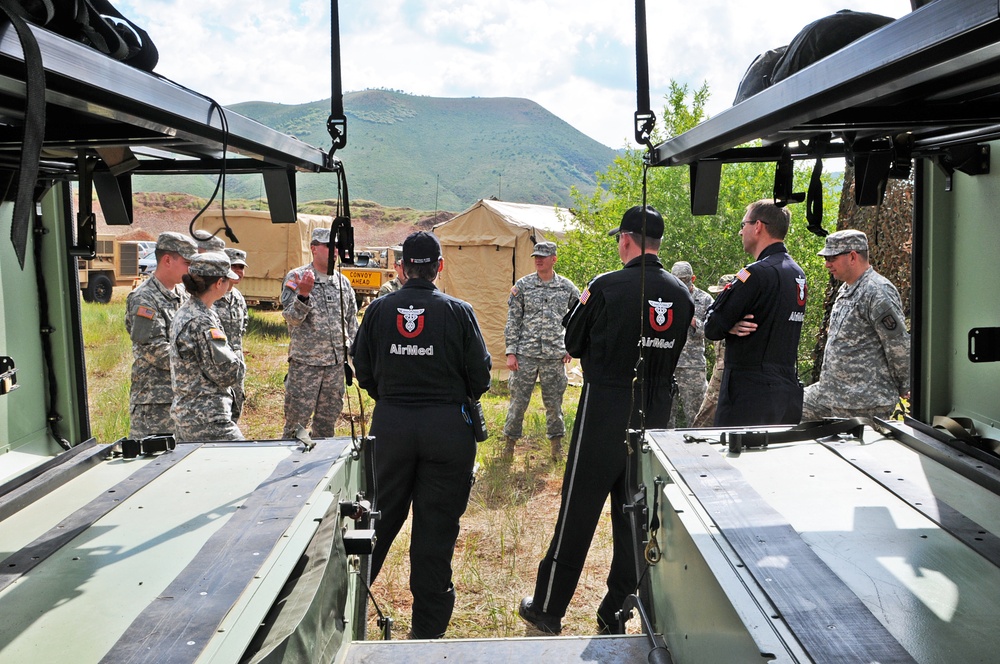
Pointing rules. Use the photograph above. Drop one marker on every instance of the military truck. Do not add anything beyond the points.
(880, 542)
(145, 550)
(373, 267)
(115, 263)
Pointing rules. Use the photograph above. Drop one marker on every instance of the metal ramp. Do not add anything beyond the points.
(603, 649)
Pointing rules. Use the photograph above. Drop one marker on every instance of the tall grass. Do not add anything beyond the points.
(511, 512)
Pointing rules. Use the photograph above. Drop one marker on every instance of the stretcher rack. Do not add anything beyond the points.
(832, 550)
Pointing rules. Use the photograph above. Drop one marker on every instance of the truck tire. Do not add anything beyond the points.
(101, 288)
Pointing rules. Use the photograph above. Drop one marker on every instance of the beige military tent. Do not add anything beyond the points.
(486, 249)
(272, 249)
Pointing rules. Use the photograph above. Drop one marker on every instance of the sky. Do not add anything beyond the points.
(576, 58)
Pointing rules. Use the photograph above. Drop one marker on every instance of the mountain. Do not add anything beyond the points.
(427, 153)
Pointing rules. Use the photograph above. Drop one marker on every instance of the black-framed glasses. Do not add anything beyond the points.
(747, 223)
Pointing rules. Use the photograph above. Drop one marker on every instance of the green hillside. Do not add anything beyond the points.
(428, 153)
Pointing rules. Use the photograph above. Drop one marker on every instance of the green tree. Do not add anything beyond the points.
(710, 243)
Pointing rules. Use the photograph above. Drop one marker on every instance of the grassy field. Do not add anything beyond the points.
(505, 530)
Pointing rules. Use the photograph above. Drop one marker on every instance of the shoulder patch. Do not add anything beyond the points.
(292, 283)
(585, 295)
(743, 275)
(146, 312)
(216, 333)
(514, 290)
(889, 322)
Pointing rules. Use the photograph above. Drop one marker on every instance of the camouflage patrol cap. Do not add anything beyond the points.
(683, 271)
(544, 249)
(843, 242)
(212, 264)
(321, 236)
(236, 256)
(724, 281)
(207, 242)
(176, 243)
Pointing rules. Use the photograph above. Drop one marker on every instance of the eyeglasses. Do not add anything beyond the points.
(747, 223)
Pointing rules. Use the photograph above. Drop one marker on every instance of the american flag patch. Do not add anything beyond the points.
(146, 312)
(743, 275)
(514, 290)
(585, 296)
(216, 333)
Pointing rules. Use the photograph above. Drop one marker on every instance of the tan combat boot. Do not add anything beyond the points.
(508, 450)
(556, 442)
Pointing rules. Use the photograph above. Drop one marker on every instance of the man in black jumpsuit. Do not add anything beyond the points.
(605, 329)
(418, 353)
(760, 316)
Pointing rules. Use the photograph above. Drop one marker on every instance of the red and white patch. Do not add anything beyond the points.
(146, 312)
(410, 322)
(661, 315)
(800, 291)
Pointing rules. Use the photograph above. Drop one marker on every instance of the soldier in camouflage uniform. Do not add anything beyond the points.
(706, 414)
(535, 346)
(234, 316)
(690, 371)
(149, 310)
(208, 242)
(203, 368)
(866, 364)
(322, 316)
(397, 282)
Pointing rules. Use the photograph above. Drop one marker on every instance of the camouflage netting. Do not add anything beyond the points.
(889, 230)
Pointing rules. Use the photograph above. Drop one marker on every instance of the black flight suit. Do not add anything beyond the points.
(603, 330)
(760, 384)
(416, 351)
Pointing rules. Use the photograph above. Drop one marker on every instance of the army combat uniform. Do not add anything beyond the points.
(690, 372)
(534, 333)
(317, 326)
(390, 286)
(149, 310)
(866, 364)
(232, 311)
(204, 371)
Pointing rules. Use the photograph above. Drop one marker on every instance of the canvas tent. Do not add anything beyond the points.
(486, 249)
(272, 249)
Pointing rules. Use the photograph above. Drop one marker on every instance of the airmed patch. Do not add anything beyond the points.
(410, 322)
(661, 314)
(146, 312)
(800, 290)
(889, 322)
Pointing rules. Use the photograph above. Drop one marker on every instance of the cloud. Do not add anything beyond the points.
(574, 57)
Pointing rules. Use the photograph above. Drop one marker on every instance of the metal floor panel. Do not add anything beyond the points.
(90, 591)
(935, 594)
(602, 649)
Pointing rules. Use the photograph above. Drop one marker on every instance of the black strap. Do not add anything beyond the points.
(336, 125)
(737, 440)
(34, 129)
(645, 119)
